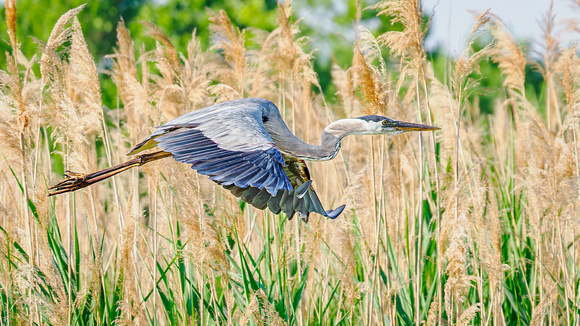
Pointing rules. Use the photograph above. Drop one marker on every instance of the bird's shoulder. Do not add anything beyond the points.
(230, 110)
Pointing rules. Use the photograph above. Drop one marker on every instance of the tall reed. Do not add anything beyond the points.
(475, 224)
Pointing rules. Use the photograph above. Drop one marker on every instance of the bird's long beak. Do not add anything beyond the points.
(408, 126)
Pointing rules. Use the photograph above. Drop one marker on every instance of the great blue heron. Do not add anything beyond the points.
(245, 146)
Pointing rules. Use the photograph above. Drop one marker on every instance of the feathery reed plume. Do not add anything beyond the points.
(468, 62)
(83, 78)
(76, 111)
(252, 310)
(540, 311)
(507, 54)
(271, 316)
(19, 119)
(50, 63)
(11, 124)
(288, 64)
(550, 55)
(10, 13)
(432, 315)
(360, 191)
(456, 254)
(125, 52)
(195, 73)
(169, 51)
(343, 81)
(468, 314)
(371, 81)
(549, 185)
(15, 83)
(13, 79)
(408, 43)
(134, 94)
(129, 304)
(231, 41)
(568, 70)
(170, 96)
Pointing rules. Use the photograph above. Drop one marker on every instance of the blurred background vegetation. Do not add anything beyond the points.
(328, 23)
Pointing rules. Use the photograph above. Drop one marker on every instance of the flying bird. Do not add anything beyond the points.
(246, 147)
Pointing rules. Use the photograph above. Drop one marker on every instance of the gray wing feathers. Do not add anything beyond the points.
(227, 142)
(286, 201)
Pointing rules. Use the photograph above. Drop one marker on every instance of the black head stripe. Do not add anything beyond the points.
(374, 118)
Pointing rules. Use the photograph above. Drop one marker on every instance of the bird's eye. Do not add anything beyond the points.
(385, 122)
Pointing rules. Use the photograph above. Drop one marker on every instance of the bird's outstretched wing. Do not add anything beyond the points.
(302, 199)
(229, 143)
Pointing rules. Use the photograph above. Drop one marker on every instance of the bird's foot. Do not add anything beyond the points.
(73, 181)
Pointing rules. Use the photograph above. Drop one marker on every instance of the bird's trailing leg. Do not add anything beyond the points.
(75, 181)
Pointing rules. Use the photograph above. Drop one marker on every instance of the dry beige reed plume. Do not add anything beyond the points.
(50, 63)
(433, 313)
(456, 253)
(568, 70)
(343, 80)
(19, 130)
(360, 193)
(508, 55)
(76, 104)
(368, 80)
(549, 57)
(449, 109)
(231, 41)
(11, 127)
(134, 94)
(10, 12)
(12, 77)
(203, 233)
(552, 196)
(551, 171)
(288, 63)
(83, 79)
(125, 51)
(485, 222)
(252, 312)
(468, 62)
(169, 93)
(468, 314)
(169, 52)
(372, 81)
(541, 310)
(130, 305)
(408, 43)
(195, 72)
(271, 315)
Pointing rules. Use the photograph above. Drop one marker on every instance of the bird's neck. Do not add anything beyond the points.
(293, 146)
(329, 141)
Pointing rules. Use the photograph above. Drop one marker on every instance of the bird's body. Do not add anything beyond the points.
(245, 146)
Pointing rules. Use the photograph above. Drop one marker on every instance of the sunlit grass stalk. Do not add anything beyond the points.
(438, 189)
(419, 226)
(375, 267)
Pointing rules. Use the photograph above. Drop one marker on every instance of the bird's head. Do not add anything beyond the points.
(383, 125)
(374, 125)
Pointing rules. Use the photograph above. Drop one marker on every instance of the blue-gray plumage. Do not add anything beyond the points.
(245, 146)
